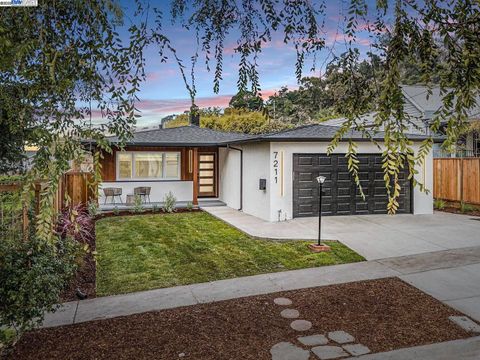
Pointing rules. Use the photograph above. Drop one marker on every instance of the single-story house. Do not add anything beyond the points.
(271, 176)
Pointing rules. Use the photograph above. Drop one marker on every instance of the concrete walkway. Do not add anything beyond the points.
(465, 349)
(407, 268)
(372, 236)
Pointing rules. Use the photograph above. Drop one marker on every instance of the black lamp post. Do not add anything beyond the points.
(320, 180)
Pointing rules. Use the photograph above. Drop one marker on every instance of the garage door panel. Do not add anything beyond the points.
(341, 195)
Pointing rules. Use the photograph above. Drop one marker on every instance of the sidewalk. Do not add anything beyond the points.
(465, 349)
(404, 267)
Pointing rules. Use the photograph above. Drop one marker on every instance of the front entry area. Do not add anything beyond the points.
(207, 174)
(341, 195)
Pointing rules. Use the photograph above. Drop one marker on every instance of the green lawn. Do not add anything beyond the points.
(154, 251)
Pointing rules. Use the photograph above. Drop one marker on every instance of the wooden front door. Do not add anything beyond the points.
(207, 174)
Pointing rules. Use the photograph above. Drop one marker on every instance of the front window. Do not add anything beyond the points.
(148, 165)
(143, 165)
(124, 165)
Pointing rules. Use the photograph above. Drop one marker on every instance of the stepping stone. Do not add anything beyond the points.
(329, 352)
(465, 323)
(301, 325)
(288, 351)
(290, 313)
(282, 301)
(313, 340)
(356, 349)
(341, 337)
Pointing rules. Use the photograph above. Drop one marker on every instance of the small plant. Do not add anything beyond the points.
(137, 205)
(169, 203)
(439, 204)
(93, 208)
(116, 211)
(465, 208)
(189, 206)
(155, 208)
(77, 223)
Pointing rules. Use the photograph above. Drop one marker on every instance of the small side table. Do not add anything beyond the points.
(130, 199)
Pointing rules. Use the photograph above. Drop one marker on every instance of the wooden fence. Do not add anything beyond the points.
(14, 218)
(75, 185)
(13, 213)
(457, 179)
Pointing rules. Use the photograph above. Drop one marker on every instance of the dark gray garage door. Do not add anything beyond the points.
(341, 195)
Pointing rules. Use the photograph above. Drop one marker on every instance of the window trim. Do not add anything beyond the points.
(164, 165)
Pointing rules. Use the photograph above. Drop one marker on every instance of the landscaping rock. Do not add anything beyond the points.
(301, 325)
(290, 313)
(356, 349)
(288, 351)
(329, 352)
(313, 340)
(466, 323)
(282, 301)
(341, 337)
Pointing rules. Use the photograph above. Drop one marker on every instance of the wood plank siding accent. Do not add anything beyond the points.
(195, 176)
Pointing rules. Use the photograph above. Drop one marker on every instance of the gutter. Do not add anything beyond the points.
(241, 174)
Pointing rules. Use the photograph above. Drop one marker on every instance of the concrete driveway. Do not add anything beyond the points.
(383, 236)
(372, 236)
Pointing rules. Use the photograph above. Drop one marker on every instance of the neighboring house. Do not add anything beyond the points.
(420, 106)
(269, 176)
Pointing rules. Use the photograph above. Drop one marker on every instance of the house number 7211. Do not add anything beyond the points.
(275, 166)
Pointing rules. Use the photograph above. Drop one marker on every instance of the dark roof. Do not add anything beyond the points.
(316, 132)
(190, 135)
(196, 136)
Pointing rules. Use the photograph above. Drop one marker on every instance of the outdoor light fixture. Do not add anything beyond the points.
(319, 247)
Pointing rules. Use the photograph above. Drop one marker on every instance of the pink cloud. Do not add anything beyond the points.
(153, 76)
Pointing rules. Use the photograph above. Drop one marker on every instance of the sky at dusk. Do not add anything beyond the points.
(164, 92)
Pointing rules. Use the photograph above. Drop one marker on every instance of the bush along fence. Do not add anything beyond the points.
(457, 179)
(16, 215)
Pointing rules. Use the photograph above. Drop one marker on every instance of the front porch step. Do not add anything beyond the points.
(210, 203)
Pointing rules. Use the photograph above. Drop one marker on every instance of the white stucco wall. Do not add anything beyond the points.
(229, 177)
(182, 190)
(256, 159)
(281, 197)
(422, 202)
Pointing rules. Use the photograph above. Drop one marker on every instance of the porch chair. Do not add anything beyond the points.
(143, 192)
(112, 192)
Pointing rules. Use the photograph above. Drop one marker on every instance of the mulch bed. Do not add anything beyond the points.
(84, 280)
(144, 212)
(456, 210)
(382, 314)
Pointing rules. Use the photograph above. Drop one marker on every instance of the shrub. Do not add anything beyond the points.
(93, 208)
(77, 223)
(169, 203)
(116, 211)
(137, 204)
(32, 275)
(189, 206)
(155, 208)
(465, 208)
(439, 204)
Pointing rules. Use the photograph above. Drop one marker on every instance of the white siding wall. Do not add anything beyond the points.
(229, 177)
(278, 199)
(256, 159)
(182, 190)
